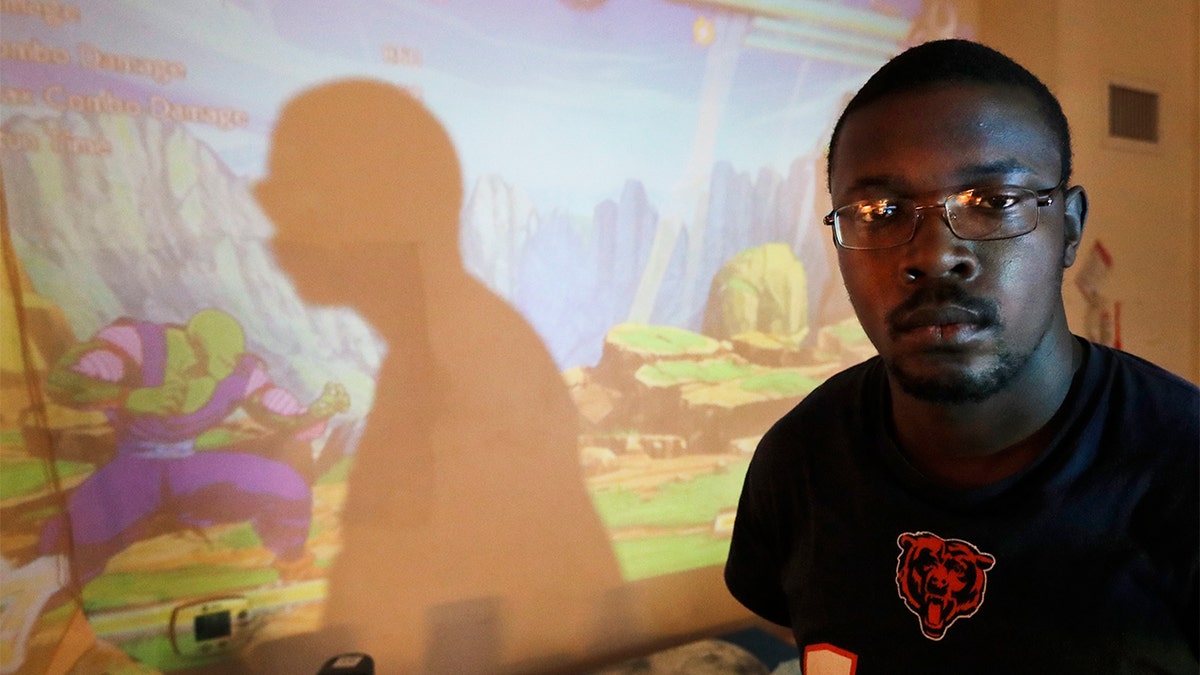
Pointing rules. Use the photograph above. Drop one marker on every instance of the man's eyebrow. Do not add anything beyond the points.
(965, 176)
(880, 180)
(1002, 167)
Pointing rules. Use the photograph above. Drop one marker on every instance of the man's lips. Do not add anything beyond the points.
(937, 317)
(943, 314)
(943, 327)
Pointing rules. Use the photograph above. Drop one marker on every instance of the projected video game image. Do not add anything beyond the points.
(643, 182)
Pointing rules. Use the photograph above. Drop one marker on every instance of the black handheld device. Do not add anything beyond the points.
(351, 663)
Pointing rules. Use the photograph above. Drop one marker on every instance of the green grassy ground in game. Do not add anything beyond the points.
(674, 506)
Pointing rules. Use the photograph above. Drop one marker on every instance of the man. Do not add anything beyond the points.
(990, 493)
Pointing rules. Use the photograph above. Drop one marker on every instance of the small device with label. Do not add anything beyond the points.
(211, 626)
(353, 663)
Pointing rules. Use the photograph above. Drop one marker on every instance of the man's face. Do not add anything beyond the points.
(956, 320)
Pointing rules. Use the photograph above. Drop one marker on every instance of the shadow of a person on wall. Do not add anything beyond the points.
(469, 540)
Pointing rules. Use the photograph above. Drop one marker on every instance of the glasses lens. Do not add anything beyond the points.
(879, 223)
(992, 213)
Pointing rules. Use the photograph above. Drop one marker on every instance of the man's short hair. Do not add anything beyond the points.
(957, 62)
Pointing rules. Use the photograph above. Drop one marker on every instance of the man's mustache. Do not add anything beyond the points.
(942, 304)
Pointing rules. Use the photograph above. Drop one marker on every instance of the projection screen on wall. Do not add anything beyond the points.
(643, 182)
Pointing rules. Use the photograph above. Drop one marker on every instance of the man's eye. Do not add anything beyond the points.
(991, 201)
(877, 212)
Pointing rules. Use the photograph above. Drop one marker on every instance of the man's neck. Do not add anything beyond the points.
(980, 443)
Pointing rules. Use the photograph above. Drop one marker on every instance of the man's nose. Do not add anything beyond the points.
(935, 251)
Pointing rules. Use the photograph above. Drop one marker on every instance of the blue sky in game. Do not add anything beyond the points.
(566, 103)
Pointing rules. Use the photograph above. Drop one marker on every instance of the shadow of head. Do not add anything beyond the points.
(361, 161)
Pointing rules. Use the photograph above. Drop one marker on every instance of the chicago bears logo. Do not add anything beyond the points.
(940, 580)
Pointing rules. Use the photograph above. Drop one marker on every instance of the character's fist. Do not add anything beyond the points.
(333, 400)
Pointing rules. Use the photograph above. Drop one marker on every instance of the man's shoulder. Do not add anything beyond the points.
(841, 396)
(1147, 385)
(1140, 367)
(844, 384)
(1150, 412)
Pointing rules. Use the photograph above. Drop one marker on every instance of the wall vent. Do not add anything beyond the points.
(1132, 114)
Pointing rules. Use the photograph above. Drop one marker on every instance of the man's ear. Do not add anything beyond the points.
(1075, 206)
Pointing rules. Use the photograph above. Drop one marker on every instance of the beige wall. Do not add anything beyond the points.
(1144, 205)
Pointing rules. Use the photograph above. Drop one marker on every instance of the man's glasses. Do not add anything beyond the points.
(1000, 212)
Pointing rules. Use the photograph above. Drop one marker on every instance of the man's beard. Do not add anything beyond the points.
(955, 386)
(960, 386)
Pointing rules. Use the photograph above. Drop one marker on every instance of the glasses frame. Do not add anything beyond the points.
(1044, 198)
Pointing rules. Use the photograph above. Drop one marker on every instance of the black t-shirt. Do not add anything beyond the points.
(1083, 562)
